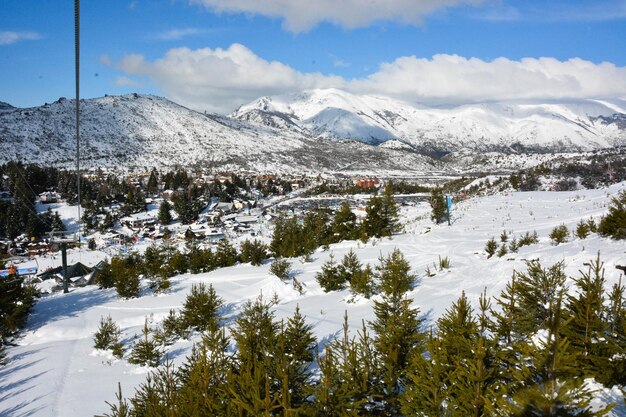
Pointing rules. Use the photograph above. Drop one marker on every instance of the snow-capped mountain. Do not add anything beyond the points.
(136, 131)
(336, 114)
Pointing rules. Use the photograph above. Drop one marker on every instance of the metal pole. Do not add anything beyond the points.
(64, 263)
(77, 57)
(448, 202)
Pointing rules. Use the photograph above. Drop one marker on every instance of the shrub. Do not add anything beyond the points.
(514, 245)
(502, 251)
(444, 263)
(281, 268)
(504, 237)
(491, 247)
(528, 239)
(559, 234)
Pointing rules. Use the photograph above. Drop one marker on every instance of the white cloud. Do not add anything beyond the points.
(127, 82)
(338, 62)
(555, 11)
(221, 79)
(176, 34)
(303, 15)
(7, 38)
(106, 60)
(455, 79)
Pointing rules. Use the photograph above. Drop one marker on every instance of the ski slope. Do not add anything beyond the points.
(54, 371)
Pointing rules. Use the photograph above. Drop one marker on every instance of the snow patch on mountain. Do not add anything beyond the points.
(558, 126)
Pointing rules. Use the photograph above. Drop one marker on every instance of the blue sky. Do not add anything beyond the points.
(217, 54)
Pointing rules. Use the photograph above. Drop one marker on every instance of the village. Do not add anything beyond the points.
(223, 211)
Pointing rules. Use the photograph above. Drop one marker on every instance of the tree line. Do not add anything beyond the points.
(526, 352)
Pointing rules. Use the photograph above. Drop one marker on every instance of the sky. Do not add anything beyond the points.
(215, 55)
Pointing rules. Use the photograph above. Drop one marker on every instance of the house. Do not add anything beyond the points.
(49, 197)
(225, 207)
(137, 220)
(365, 183)
(76, 270)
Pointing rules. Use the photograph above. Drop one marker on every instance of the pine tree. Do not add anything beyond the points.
(122, 408)
(203, 377)
(254, 252)
(396, 327)
(158, 396)
(350, 266)
(390, 212)
(363, 282)
(549, 390)
(537, 288)
(165, 216)
(252, 384)
(330, 277)
(426, 390)
(616, 335)
(394, 274)
(281, 268)
(108, 337)
(491, 247)
(614, 223)
(145, 351)
(226, 254)
(458, 331)
(347, 381)
(201, 310)
(152, 185)
(174, 326)
(344, 224)
(374, 224)
(438, 204)
(294, 352)
(126, 273)
(201, 260)
(586, 328)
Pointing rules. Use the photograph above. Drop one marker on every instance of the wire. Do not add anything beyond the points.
(77, 56)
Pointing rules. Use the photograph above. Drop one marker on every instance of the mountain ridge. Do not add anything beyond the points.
(577, 125)
(142, 131)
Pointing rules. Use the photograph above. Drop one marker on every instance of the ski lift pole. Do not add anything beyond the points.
(448, 205)
(64, 263)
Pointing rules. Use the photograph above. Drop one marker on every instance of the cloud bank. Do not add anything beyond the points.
(219, 80)
(7, 38)
(299, 16)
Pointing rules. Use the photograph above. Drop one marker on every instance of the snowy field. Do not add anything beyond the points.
(55, 371)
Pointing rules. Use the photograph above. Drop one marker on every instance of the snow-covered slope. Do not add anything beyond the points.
(336, 114)
(137, 131)
(54, 370)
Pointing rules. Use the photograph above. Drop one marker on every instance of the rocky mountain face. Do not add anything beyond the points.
(311, 132)
(507, 127)
(141, 131)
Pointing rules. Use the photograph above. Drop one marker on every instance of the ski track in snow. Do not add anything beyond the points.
(54, 370)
